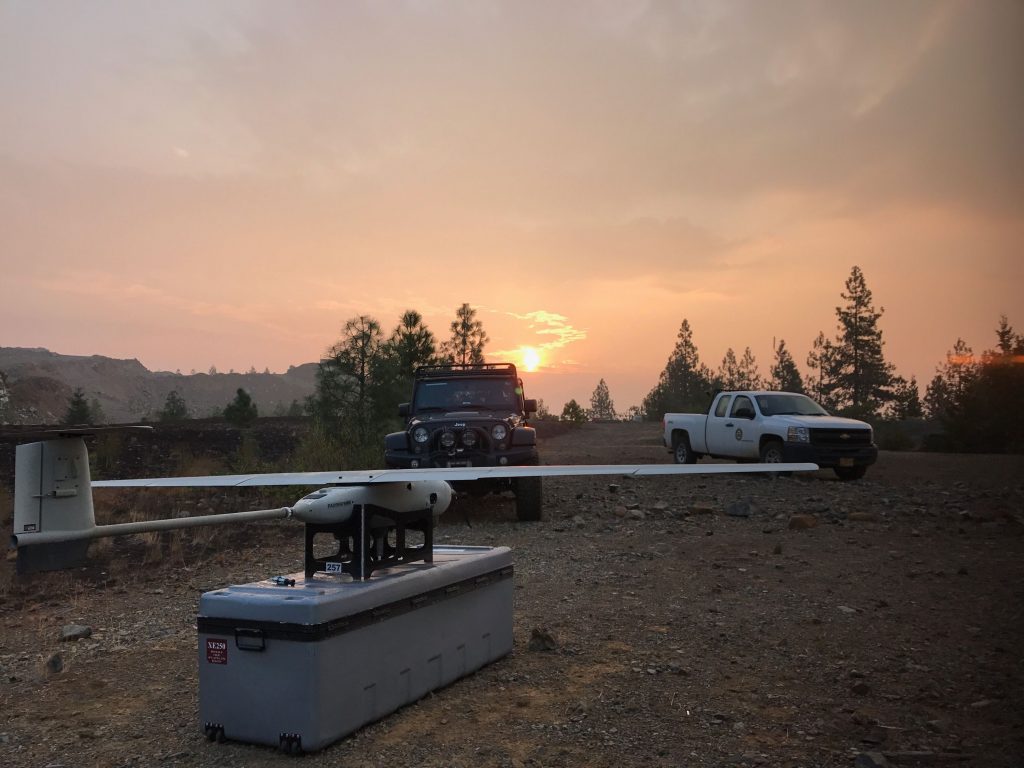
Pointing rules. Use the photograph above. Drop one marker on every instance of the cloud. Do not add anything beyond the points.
(551, 324)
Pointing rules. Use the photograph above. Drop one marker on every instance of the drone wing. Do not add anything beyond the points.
(450, 474)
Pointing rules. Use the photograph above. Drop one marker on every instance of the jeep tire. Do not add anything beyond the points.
(529, 499)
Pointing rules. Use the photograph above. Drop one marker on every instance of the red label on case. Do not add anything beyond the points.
(216, 651)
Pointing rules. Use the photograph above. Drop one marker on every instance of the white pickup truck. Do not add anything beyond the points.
(771, 427)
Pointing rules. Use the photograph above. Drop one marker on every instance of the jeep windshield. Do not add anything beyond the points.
(789, 405)
(491, 394)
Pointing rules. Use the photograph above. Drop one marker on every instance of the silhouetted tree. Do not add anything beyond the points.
(241, 411)
(863, 381)
(978, 401)
(785, 376)
(601, 405)
(175, 408)
(543, 413)
(685, 382)
(468, 338)
(823, 362)
(574, 413)
(411, 344)
(78, 409)
(350, 383)
(906, 402)
(945, 395)
(738, 374)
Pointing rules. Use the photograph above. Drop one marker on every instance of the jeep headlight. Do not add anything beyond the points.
(798, 435)
(447, 439)
(421, 434)
(469, 438)
(499, 432)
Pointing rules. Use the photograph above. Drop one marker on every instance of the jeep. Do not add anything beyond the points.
(470, 416)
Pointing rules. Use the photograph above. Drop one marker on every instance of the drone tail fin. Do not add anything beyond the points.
(53, 511)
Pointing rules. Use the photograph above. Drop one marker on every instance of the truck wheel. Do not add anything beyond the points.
(529, 499)
(850, 473)
(681, 452)
(771, 452)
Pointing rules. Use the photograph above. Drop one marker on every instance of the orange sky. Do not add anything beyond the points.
(196, 184)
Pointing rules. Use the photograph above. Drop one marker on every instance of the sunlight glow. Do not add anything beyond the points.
(530, 357)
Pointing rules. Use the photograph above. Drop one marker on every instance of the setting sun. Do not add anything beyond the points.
(531, 358)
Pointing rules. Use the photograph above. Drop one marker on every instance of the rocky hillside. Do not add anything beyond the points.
(35, 385)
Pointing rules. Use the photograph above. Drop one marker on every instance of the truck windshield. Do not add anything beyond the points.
(789, 405)
(488, 394)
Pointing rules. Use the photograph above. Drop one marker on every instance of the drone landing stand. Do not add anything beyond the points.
(300, 667)
(371, 539)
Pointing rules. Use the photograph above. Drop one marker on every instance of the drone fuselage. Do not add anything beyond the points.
(335, 504)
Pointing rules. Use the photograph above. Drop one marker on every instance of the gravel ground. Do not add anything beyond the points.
(702, 621)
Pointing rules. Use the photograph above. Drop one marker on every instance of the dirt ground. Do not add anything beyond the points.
(701, 621)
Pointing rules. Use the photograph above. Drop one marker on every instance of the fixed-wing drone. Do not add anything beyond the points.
(367, 512)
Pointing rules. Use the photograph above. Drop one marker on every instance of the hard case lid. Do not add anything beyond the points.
(324, 598)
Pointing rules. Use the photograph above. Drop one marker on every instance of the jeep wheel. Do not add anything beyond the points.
(850, 473)
(681, 452)
(529, 499)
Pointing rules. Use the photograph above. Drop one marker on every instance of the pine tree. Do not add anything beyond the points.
(411, 344)
(864, 379)
(947, 392)
(602, 408)
(1007, 339)
(824, 365)
(728, 376)
(78, 409)
(750, 377)
(785, 376)
(350, 380)
(574, 413)
(685, 382)
(175, 408)
(241, 411)
(468, 338)
(906, 402)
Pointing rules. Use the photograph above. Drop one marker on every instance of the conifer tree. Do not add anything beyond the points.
(728, 375)
(750, 377)
(241, 411)
(175, 408)
(684, 383)
(822, 360)
(947, 392)
(785, 377)
(573, 412)
(78, 411)
(906, 402)
(468, 338)
(411, 344)
(602, 408)
(863, 381)
(349, 382)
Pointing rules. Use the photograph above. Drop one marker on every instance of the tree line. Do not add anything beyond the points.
(973, 398)
(366, 373)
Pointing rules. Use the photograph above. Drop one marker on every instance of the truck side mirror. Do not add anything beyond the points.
(530, 406)
(403, 410)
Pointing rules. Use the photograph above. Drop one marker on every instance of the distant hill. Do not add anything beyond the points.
(36, 384)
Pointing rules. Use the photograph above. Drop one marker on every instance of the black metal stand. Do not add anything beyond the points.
(365, 541)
